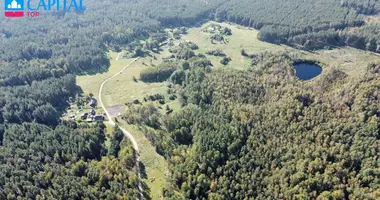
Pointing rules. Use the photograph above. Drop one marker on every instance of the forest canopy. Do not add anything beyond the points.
(231, 141)
(257, 133)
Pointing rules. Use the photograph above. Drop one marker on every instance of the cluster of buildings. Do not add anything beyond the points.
(92, 116)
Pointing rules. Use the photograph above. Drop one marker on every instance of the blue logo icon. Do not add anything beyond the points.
(13, 5)
(16, 8)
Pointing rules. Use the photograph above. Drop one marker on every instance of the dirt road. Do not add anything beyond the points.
(126, 133)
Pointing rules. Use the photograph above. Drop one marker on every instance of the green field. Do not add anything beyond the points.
(346, 59)
(351, 61)
(123, 89)
(91, 83)
(241, 38)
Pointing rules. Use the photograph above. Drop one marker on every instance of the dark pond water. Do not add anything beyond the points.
(307, 70)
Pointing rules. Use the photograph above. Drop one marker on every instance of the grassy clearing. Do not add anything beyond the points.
(91, 83)
(241, 38)
(74, 110)
(349, 60)
(109, 130)
(123, 89)
(154, 164)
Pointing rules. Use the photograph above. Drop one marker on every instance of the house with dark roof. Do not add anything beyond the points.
(98, 118)
(92, 112)
(92, 103)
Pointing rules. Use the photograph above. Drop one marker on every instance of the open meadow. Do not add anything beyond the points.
(346, 59)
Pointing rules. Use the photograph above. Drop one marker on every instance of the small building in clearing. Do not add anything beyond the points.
(84, 116)
(98, 118)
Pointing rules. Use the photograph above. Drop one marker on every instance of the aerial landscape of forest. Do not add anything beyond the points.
(192, 99)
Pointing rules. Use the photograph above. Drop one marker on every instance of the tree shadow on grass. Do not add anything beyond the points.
(143, 171)
(144, 176)
(93, 71)
(146, 191)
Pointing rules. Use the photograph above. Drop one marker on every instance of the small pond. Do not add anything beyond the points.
(307, 70)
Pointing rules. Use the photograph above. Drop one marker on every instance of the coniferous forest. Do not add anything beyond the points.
(262, 134)
(252, 134)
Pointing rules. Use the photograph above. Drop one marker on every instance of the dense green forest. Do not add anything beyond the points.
(238, 135)
(42, 156)
(306, 24)
(263, 134)
(68, 162)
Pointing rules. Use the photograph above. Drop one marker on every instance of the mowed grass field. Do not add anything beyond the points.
(91, 83)
(123, 89)
(241, 38)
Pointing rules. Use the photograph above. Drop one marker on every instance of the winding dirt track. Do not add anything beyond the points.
(126, 133)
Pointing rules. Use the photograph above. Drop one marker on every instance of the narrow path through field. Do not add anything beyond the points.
(118, 56)
(126, 133)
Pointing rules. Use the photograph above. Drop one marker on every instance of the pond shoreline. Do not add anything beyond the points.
(307, 70)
